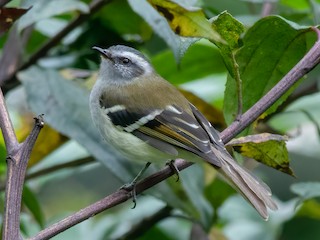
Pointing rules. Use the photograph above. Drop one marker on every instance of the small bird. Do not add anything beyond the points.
(147, 119)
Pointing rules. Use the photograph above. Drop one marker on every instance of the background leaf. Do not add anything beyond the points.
(46, 9)
(288, 42)
(31, 202)
(189, 22)
(306, 190)
(178, 44)
(206, 56)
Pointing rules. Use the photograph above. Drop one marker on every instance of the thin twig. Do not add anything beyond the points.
(9, 136)
(17, 162)
(267, 8)
(238, 80)
(45, 171)
(72, 164)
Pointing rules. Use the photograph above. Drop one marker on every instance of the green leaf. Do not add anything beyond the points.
(199, 61)
(159, 24)
(293, 117)
(310, 208)
(312, 119)
(297, 4)
(270, 49)
(120, 17)
(269, 149)
(194, 186)
(230, 29)
(187, 22)
(241, 221)
(46, 9)
(300, 228)
(217, 192)
(31, 202)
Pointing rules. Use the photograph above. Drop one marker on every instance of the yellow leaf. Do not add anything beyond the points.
(310, 209)
(47, 141)
(186, 22)
(269, 149)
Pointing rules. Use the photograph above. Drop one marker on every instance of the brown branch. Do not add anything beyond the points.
(94, 6)
(299, 93)
(72, 164)
(17, 161)
(45, 171)
(9, 136)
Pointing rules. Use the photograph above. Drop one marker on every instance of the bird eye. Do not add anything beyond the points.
(125, 60)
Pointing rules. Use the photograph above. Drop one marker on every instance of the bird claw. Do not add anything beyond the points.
(174, 169)
(131, 187)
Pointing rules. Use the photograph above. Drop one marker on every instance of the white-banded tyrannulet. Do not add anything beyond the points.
(148, 119)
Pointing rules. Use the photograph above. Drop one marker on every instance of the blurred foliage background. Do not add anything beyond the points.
(47, 66)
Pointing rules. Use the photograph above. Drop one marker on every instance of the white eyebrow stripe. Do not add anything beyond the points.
(138, 60)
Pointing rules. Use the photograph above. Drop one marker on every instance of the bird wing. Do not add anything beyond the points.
(167, 129)
(171, 128)
(250, 187)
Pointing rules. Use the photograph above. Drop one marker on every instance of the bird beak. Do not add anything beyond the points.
(104, 52)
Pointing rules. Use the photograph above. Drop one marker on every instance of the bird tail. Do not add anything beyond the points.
(251, 188)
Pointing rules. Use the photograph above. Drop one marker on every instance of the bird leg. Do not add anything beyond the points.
(174, 169)
(131, 187)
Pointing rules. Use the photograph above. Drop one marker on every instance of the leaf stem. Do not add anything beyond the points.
(238, 80)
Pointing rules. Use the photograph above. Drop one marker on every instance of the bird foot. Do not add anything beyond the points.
(174, 169)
